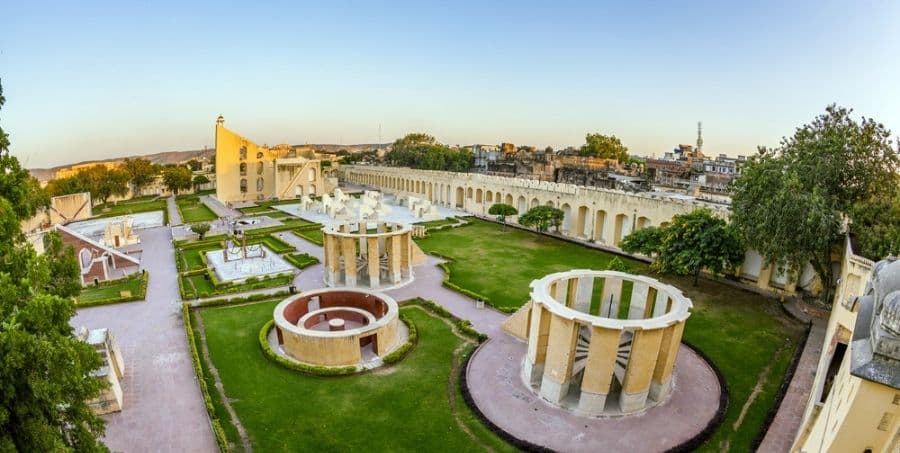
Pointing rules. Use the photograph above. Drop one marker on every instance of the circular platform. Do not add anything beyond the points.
(494, 381)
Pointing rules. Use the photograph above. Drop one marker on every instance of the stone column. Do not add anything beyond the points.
(661, 305)
(639, 294)
(380, 229)
(374, 262)
(348, 250)
(405, 252)
(560, 357)
(598, 371)
(536, 355)
(571, 292)
(394, 260)
(334, 260)
(585, 290)
(765, 275)
(363, 244)
(665, 361)
(641, 364)
(612, 292)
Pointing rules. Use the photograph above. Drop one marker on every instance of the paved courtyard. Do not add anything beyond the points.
(163, 409)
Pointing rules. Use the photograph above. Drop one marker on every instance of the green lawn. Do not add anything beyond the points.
(402, 408)
(200, 286)
(742, 332)
(193, 210)
(93, 294)
(439, 223)
(133, 206)
(311, 235)
(301, 260)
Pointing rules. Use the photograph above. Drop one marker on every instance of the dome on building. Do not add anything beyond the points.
(890, 313)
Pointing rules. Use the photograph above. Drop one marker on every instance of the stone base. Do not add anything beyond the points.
(632, 402)
(553, 391)
(592, 403)
(532, 373)
(658, 391)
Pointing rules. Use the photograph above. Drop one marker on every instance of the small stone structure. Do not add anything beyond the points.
(113, 369)
(584, 356)
(355, 257)
(337, 327)
(120, 233)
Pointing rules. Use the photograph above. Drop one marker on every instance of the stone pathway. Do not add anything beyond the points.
(786, 424)
(163, 408)
(174, 214)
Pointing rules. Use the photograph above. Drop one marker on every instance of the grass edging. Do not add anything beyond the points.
(713, 425)
(141, 294)
(782, 390)
(301, 260)
(218, 432)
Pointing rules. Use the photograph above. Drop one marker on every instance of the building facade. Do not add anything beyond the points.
(247, 172)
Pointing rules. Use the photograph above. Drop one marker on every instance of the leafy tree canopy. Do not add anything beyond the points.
(422, 151)
(140, 172)
(604, 146)
(693, 242)
(201, 229)
(45, 371)
(542, 218)
(100, 181)
(788, 203)
(177, 178)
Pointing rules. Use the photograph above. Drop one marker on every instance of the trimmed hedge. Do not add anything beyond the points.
(401, 352)
(296, 366)
(221, 288)
(141, 294)
(301, 260)
(288, 224)
(303, 233)
(218, 432)
(242, 300)
(463, 325)
(274, 243)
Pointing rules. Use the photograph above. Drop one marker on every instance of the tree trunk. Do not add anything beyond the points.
(696, 275)
(823, 270)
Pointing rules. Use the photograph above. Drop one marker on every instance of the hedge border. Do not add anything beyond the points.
(689, 445)
(308, 261)
(218, 432)
(782, 390)
(241, 300)
(301, 232)
(140, 296)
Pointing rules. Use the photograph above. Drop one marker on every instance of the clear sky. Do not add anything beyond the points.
(86, 80)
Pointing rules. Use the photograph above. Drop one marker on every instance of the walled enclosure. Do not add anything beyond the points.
(582, 355)
(337, 327)
(382, 258)
(603, 216)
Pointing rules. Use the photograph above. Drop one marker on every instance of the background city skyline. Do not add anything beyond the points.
(94, 81)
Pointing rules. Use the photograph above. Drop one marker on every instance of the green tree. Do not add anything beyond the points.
(194, 165)
(604, 146)
(542, 218)
(502, 210)
(876, 224)
(64, 270)
(696, 241)
(201, 229)
(788, 202)
(140, 172)
(616, 264)
(646, 241)
(199, 180)
(424, 152)
(45, 371)
(105, 183)
(177, 178)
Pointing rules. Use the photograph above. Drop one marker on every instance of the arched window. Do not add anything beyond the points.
(259, 155)
(243, 169)
(85, 256)
(243, 153)
(259, 184)
(259, 167)
(312, 175)
(243, 186)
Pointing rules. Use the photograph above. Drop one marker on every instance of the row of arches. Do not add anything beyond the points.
(580, 220)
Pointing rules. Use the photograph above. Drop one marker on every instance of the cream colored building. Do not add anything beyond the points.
(854, 404)
(75, 169)
(602, 216)
(247, 172)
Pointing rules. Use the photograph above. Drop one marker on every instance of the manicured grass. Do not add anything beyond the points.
(274, 243)
(311, 235)
(439, 223)
(287, 224)
(402, 408)
(134, 206)
(111, 292)
(743, 333)
(202, 287)
(301, 260)
(193, 210)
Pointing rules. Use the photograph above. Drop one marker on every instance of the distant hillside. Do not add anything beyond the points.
(172, 157)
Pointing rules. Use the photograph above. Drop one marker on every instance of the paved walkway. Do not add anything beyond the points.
(786, 424)
(220, 209)
(174, 214)
(163, 408)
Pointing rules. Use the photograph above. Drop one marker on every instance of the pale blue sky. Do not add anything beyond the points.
(86, 80)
